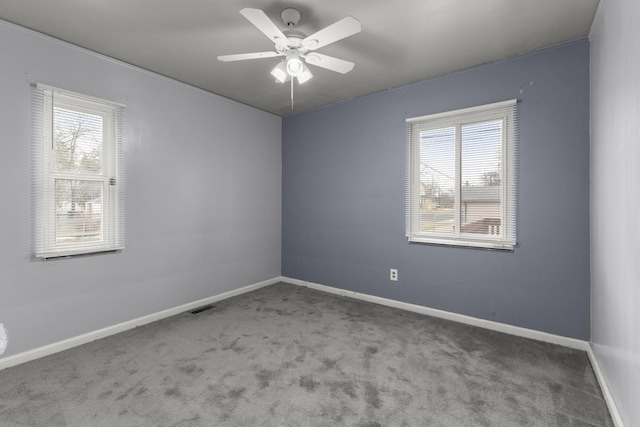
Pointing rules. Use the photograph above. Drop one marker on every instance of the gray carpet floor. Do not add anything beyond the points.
(291, 356)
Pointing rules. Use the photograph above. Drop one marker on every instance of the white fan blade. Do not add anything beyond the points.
(243, 56)
(343, 28)
(329, 62)
(262, 22)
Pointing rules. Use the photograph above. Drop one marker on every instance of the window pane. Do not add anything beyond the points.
(461, 178)
(437, 180)
(78, 207)
(480, 192)
(78, 141)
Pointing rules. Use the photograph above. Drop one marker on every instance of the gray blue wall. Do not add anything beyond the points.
(615, 201)
(344, 204)
(203, 186)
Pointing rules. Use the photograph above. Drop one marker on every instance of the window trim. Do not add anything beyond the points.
(505, 110)
(44, 99)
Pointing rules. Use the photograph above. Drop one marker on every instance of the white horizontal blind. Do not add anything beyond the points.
(77, 173)
(461, 181)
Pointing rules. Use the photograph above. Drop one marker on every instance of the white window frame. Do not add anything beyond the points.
(45, 100)
(505, 111)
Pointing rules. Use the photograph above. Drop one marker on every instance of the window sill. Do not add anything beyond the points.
(463, 242)
(73, 253)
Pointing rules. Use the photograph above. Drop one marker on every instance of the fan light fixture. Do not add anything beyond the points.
(280, 72)
(290, 67)
(294, 65)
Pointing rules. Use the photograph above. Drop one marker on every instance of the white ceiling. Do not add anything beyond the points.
(401, 42)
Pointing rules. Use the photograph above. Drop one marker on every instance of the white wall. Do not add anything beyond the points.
(203, 197)
(615, 201)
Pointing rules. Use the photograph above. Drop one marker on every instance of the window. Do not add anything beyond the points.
(77, 174)
(461, 179)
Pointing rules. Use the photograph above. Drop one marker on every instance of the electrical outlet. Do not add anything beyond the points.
(393, 274)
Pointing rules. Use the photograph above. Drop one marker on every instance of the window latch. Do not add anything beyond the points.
(112, 181)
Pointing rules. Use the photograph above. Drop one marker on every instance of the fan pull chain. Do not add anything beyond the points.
(292, 93)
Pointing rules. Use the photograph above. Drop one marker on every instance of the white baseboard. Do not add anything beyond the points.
(460, 318)
(56, 347)
(606, 391)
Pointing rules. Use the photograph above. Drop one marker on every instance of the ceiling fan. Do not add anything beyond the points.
(295, 46)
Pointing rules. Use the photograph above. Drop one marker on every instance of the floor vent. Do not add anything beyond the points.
(203, 308)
